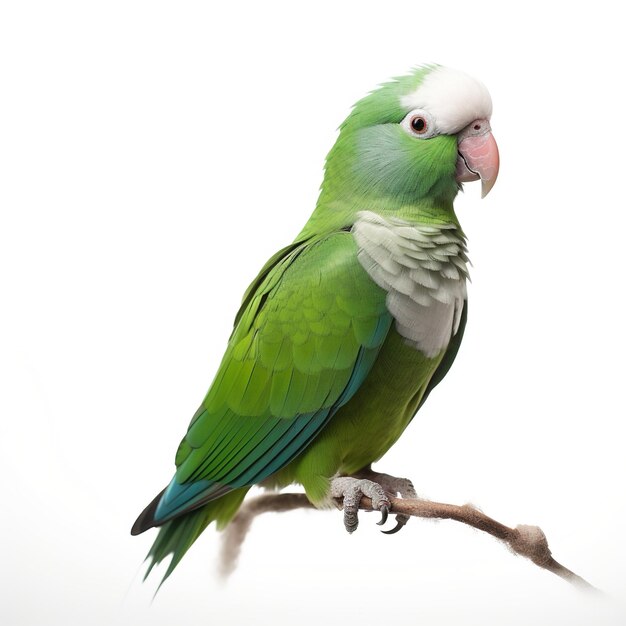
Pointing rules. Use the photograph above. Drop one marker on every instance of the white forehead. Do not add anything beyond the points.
(453, 98)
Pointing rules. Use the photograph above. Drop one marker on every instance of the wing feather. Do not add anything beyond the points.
(307, 334)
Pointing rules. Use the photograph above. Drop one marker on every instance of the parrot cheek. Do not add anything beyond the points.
(478, 156)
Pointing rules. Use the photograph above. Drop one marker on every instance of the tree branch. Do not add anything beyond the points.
(527, 541)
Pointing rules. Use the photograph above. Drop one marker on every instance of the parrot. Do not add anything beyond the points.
(344, 333)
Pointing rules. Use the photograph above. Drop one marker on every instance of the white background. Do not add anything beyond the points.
(152, 156)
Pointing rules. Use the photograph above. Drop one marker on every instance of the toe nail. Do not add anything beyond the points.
(394, 530)
(384, 515)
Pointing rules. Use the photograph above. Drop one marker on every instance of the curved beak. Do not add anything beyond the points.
(478, 155)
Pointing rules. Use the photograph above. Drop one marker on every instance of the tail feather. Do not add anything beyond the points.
(178, 535)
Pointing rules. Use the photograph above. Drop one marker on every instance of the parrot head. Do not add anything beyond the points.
(413, 142)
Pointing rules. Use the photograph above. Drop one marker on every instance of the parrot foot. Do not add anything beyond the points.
(402, 487)
(352, 490)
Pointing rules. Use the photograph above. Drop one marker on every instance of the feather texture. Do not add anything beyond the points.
(289, 366)
(423, 269)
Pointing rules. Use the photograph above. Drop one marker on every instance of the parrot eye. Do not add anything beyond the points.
(419, 123)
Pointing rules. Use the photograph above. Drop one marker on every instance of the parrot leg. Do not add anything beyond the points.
(395, 486)
(352, 490)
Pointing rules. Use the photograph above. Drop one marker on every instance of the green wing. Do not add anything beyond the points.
(305, 339)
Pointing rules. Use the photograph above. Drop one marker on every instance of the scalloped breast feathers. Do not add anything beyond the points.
(423, 269)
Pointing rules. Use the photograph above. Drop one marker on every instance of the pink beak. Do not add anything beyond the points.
(478, 155)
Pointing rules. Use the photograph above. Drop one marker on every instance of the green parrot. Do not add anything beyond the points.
(345, 332)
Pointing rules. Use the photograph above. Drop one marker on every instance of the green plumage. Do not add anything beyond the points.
(316, 379)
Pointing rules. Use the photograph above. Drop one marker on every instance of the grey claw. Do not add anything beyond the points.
(394, 530)
(384, 510)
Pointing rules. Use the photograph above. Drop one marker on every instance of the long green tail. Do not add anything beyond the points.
(178, 535)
